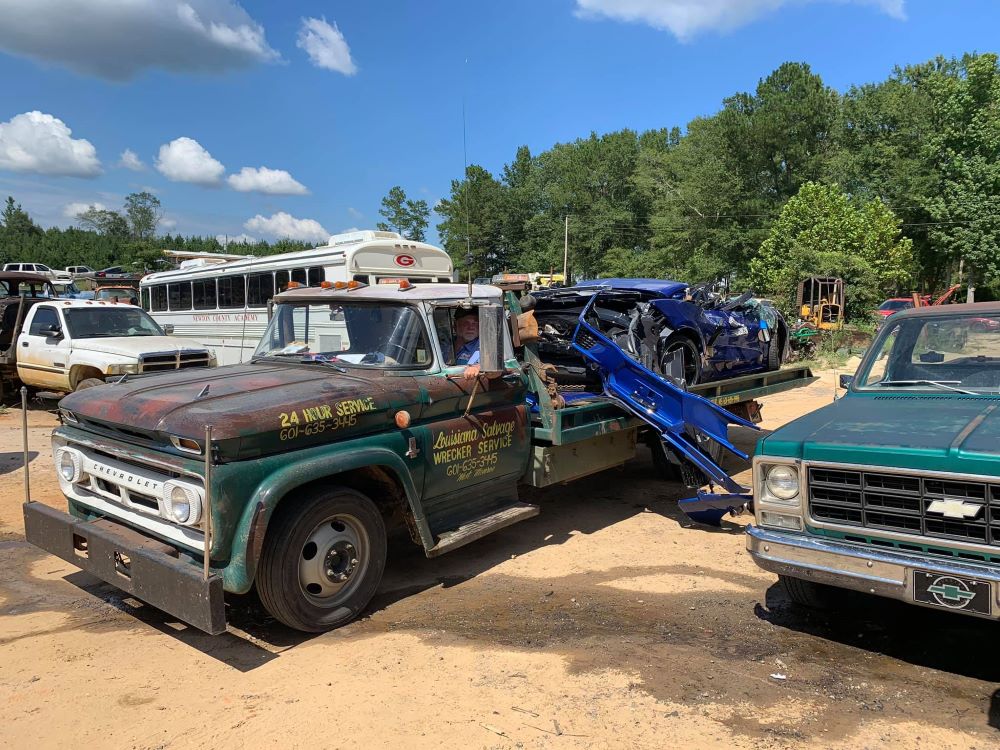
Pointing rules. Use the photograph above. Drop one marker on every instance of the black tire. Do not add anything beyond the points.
(806, 593)
(334, 530)
(774, 347)
(692, 358)
(665, 468)
(88, 383)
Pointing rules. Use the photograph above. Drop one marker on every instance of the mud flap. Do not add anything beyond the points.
(138, 565)
(679, 417)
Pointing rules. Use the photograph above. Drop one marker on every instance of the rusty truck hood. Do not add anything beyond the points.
(254, 409)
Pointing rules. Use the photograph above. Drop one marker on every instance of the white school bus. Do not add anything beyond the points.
(223, 305)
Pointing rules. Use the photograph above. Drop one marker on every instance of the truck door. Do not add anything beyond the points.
(42, 354)
(473, 456)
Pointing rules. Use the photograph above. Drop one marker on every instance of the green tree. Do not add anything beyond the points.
(143, 213)
(18, 233)
(473, 223)
(822, 233)
(408, 217)
(104, 221)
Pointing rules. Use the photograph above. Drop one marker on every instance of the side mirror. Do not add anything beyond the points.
(168, 329)
(491, 325)
(53, 331)
(845, 381)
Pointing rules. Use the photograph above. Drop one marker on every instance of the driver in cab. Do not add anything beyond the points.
(467, 341)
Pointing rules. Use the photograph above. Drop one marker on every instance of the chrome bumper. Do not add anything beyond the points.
(884, 572)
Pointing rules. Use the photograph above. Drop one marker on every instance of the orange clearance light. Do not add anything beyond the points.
(404, 285)
(353, 284)
(326, 285)
(293, 285)
(402, 419)
(340, 285)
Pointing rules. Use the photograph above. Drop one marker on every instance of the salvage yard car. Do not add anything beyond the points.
(657, 321)
(286, 473)
(66, 345)
(894, 489)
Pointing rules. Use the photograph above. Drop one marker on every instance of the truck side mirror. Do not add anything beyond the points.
(845, 381)
(168, 329)
(491, 323)
(53, 331)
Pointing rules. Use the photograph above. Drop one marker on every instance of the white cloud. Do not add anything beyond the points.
(326, 46)
(235, 239)
(186, 160)
(284, 226)
(264, 180)
(117, 39)
(354, 212)
(167, 223)
(73, 210)
(687, 18)
(40, 143)
(130, 160)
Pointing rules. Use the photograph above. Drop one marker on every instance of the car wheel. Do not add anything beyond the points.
(774, 353)
(806, 593)
(323, 559)
(88, 383)
(691, 358)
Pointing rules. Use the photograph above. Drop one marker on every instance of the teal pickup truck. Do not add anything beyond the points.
(894, 489)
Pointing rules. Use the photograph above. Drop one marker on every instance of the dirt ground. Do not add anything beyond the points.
(607, 621)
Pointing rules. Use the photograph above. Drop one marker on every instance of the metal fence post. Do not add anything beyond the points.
(24, 434)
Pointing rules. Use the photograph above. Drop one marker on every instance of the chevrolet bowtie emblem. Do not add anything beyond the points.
(955, 508)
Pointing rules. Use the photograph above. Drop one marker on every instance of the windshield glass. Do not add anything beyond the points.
(104, 322)
(896, 304)
(945, 353)
(361, 334)
(122, 295)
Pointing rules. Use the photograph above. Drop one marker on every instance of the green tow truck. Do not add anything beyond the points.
(288, 473)
(894, 489)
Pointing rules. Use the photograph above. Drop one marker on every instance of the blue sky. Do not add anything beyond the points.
(267, 119)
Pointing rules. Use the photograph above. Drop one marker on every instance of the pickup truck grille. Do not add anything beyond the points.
(932, 506)
(160, 361)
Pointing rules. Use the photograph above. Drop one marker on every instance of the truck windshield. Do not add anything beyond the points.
(105, 322)
(942, 353)
(358, 334)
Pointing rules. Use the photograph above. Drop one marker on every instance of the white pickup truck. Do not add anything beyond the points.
(65, 345)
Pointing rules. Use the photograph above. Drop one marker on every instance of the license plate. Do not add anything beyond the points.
(953, 592)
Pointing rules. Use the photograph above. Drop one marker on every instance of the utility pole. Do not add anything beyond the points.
(566, 252)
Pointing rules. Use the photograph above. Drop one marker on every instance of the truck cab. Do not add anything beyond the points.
(894, 489)
(64, 345)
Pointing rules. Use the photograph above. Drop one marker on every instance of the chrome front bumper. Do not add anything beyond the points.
(884, 572)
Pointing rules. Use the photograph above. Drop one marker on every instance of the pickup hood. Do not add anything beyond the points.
(254, 409)
(134, 346)
(951, 433)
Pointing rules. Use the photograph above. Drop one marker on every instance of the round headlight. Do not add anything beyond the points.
(180, 505)
(782, 482)
(68, 464)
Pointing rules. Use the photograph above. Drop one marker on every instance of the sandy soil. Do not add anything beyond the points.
(608, 621)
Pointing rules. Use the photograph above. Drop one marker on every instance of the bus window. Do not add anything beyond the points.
(204, 294)
(315, 276)
(158, 298)
(260, 288)
(145, 299)
(179, 296)
(281, 280)
(232, 292)
(299, 275)
(362, 277)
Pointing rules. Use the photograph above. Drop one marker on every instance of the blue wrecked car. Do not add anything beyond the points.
(686, 332)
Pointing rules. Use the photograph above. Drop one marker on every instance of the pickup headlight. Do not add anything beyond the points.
(782, 481)
(130, 369)
(69, 465)
(182, 503)
(212, 360)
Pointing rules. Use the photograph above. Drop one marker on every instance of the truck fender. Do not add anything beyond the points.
(249, 536)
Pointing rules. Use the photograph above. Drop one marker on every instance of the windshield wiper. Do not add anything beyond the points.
(326, 363)
(942, 384)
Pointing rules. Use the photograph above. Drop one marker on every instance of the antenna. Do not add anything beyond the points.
(468, 191)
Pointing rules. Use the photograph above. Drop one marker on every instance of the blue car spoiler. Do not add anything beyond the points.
(668, 409)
